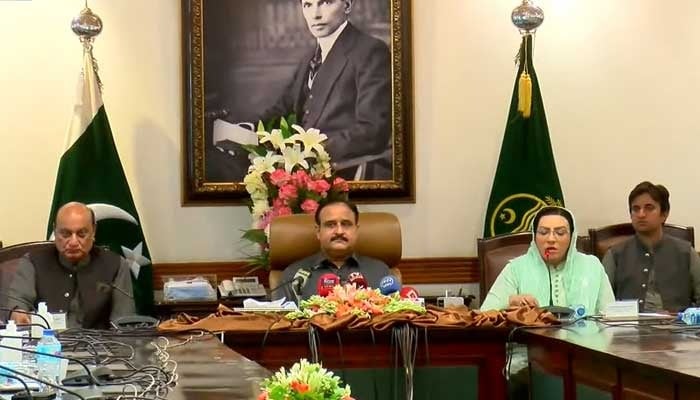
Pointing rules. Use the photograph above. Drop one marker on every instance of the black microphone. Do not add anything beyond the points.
(104, 287)
(558, 311)
(26, 387)
(298, 281)
(39, 395)
(92, 379)
(20, 311)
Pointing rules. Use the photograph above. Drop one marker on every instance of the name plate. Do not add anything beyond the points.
(627, 309)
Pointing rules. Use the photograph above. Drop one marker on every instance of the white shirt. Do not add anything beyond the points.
(326, 43)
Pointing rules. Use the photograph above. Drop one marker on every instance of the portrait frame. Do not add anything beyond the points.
(198, 188)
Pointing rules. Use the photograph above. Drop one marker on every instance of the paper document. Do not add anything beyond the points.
(236, 133)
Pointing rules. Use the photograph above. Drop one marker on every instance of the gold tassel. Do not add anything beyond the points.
(525, 94)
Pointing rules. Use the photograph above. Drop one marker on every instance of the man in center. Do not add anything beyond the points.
(337, 229)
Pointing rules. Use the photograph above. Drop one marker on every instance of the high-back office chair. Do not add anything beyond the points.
(293, 237)
(495, 252)
(604, 238)
(9, 258)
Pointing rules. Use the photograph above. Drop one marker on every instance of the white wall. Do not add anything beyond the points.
(619, 79)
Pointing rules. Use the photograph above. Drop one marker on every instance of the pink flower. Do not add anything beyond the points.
(282, 211)
(288, 192)
(340, 184)
(319, 186)
(309, 206)
(300, 178)
(280, 177)
(265, 220)
(262, 396)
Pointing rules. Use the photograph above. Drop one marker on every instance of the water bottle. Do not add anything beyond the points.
(49, 367)
(691, 316)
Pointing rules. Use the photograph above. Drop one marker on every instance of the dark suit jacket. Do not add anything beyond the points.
(350, 100)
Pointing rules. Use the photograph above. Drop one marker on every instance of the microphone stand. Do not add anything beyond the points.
(26, 387)
(558, 311)
(36, 378)
(17, 310)
(92, 379)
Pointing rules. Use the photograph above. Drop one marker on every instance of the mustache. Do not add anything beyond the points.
(339, 237)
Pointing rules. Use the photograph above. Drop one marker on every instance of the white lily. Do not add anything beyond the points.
(293, 156)
(275, 138)
(311, 139)
(266, 163)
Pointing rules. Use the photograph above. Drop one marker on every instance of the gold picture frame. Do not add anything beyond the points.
(238, 53)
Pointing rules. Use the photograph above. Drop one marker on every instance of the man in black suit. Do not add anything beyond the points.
(342, 88)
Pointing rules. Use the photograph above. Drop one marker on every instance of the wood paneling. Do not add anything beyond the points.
(413, 270)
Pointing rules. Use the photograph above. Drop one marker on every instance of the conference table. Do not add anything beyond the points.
(449, 363)
(590, 360)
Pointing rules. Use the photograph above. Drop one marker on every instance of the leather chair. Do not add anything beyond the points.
(604, 238)
(495, 252)
(293, 237)
(9, 257)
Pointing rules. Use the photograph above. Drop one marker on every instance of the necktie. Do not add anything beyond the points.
(314, 65)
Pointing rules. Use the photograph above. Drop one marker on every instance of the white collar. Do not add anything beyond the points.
(327, 42)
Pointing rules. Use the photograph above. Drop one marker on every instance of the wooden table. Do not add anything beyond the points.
(593, 361)
(450, 363)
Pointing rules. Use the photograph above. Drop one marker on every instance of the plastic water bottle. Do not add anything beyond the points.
(49, 367)
(691, 316)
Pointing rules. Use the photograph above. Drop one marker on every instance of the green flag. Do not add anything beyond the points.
(90, 172)
(526, 177)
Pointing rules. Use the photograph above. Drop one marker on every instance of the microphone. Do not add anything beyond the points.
(91, 378)
(408, 292)
(389, 284)
(105, 288)
(357, 279)
(42, 394)
(326, 283)
(298, 281)
(558, 311)
(20, 311)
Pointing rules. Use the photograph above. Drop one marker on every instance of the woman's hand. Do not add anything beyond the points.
(519, 300)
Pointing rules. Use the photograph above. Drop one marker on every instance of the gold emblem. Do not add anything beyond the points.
(515, 213)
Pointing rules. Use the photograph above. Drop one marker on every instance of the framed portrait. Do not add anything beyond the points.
(341, 66)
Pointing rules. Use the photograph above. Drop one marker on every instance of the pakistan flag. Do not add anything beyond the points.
(90, 172)
(526, 177)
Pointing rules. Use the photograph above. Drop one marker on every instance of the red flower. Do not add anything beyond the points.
(262, 396)
(309, 206)
(280, 177)
(319, 186)
(340, 184)
(300, 387)
(300, 178)
(288, 192)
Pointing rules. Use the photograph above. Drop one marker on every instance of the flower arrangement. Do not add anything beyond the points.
(290, 173)
(349, 299)
(304, 381)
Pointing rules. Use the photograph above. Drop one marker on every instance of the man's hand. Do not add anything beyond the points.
(519, 300)
(20, 318)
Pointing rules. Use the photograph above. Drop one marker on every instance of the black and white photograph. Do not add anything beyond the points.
(339, 66)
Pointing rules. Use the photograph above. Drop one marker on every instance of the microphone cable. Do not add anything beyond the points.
(20, 380)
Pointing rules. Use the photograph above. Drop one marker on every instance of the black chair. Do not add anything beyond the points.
(9, 257)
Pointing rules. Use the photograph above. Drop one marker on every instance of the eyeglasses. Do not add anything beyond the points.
(559, 233)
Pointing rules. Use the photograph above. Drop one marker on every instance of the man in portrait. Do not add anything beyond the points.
(342, 87)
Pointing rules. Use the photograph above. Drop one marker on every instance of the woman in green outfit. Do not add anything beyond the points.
(576, 278)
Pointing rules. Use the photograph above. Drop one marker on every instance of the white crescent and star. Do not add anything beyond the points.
(134, 256)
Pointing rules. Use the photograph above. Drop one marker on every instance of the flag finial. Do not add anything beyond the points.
(87, 25)
(527, 17)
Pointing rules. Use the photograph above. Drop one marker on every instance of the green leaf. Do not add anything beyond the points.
(261, 126)
(255, 236)
(253, 149)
